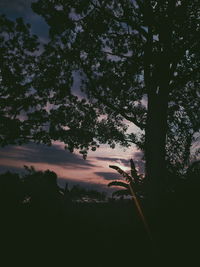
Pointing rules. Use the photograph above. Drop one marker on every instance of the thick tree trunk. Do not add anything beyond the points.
(157, 83)
(157, 75)
(156, 130)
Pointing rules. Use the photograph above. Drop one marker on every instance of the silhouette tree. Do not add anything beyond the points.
(188, 188)
(26, 112)
(77, 193)
(136, 61)
(17, 66)
(42, 190)
(12, 191)
(127, 54)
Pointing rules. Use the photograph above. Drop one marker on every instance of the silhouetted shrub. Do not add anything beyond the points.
(11, 190)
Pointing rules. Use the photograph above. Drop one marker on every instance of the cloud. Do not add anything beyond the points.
(69, 167)
(95, 186)
(125, 162)
(53, 155)
(109, 175)
(92, 173)
(138, 155)
(139, 161)
(62, 181)
(11, 169)
(137, 158)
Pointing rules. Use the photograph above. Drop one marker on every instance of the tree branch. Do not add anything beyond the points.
(125, 20)
(112, 106)
(121, 112)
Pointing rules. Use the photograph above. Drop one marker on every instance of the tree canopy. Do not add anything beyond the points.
(17, 66)
(136, 61)
(119, 49)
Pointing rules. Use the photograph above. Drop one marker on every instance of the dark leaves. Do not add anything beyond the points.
(123, 173)
(119, 183)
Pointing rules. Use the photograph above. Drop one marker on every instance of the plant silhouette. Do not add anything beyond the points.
(78, 193)
(134, 61)
(132, 185)
(12, 191)
(49, 218)
(134, 179)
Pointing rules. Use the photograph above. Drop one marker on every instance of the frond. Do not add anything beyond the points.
(134, 173)
(123, 173)
(119, 183)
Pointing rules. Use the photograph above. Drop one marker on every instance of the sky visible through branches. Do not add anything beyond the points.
(93, 172)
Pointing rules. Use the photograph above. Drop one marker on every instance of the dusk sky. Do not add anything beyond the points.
(94, 172)
(97, 93)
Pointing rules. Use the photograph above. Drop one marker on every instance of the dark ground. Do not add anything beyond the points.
(104, 234)
(40, 225)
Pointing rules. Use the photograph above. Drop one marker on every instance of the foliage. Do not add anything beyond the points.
(11, 190)
(33, 189)
(17, 65)
(135, 61)
(30, 111)
(132, 180)
(39, 189)
(78, 193)
(187, 183)
(107, 44)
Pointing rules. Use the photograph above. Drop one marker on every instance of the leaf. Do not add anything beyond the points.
(123, 173)
(123, 192)
(118, 183)
(133, 170)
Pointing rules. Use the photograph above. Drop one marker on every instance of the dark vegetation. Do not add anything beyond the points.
(135, 61)
(41, 221)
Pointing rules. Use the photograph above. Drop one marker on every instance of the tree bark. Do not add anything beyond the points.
(157, 80)
(155, 141)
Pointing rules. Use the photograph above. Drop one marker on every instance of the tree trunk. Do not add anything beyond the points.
(155, 142)
(157, 83)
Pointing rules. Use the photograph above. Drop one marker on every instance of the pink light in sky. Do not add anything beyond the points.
(70, 167)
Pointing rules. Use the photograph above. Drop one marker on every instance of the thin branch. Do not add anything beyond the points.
(121, 112)
(124, 20)
(135, 143)
(113, 107)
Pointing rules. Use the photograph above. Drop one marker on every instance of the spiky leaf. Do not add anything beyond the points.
(134, 173)
(123, 173)
(119, 183)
